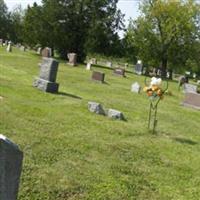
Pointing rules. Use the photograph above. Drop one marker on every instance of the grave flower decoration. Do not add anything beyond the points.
(154, 90)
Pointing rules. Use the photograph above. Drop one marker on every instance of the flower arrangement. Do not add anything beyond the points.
(154, 90)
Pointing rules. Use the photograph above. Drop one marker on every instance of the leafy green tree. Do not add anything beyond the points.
(166, 32)
(3, 20)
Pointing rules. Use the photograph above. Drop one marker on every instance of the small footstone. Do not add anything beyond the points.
(115, 114)
(135, 87)
(96, 108)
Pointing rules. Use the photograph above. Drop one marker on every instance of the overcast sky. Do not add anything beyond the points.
(128, 7)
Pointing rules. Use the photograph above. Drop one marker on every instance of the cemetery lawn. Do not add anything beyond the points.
(70, 153)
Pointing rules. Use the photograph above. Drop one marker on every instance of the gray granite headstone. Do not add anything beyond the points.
(96, 108)
(192, 100)
(47, 78)
(138, 67)
(23, 48)
(1, 42)
(135, 87)
(10, 169)
(189, 88)
(115, 114)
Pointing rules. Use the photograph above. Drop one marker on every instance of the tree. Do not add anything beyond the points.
(165, 32)
(3, 20)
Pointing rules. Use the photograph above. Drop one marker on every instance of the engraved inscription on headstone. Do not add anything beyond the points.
(47, 78)
(98, 76)
(10, 169)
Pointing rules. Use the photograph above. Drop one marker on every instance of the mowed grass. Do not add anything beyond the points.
(70, 153)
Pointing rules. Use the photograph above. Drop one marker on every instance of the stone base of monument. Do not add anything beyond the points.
(46, 86)
(192, 100)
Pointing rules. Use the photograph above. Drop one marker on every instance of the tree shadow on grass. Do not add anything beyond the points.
(184, 141)
(68, 95)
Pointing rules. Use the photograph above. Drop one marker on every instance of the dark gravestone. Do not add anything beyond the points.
(119, 72)
(47, 78)
(98, 76)
(10, 169)
(192, 100)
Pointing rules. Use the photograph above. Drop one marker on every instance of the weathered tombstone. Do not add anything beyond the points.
(1, 42)
(39, 51)
(138, 67)
(192, 100)
(6, 42)
(189, 88)
(23, 48)
(93, 61)
(126, 65)
(115, 114)
(98, 76)
(72, 57)
(9, 47)
(119, 72)
(198, 82)
(135, 87)
(46, 52)
(47, 78)
(10, 169)
(109, 64)
(88, 67)
(96, 108)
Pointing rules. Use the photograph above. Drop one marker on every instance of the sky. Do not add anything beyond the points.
(128, 7)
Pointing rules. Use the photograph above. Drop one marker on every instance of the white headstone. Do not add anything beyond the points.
(10, 169)
(9, 47)
(88, 67)
(135, 87)
(109, 64)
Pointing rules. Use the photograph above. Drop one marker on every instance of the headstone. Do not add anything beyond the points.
(119, 72)
(126, 65)
(9, 47)
(88, 67)
(93, 61)
(109, 64)
(39, 51)
(1, 42)
(135, 87)
(115, 114)
(98, 76)
(46, 52)
(22, 48)
(192, 100)
(47, 78)
(72, 59)
(96, 108)
(198, 82)
(6, 42)
(10, 169)
(189, 88)
(138, 67)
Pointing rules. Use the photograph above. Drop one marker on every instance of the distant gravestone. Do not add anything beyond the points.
(39, 51)
(98, 76)
(109, 64)
(72, 57)
(47, 78)
(46, 52)
(10, 169)
(192, 100)
(198, 82)
(189, 88)
(88, 67)
(119, 72)
(94, 61)
(135, 87)
(1, 42)
(115, 114)
(9, 47)
(96, 108)
(23, 48)
(138, 67)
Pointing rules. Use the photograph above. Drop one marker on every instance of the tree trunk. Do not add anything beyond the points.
(164, 67)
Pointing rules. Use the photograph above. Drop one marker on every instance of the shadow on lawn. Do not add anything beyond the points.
(185, 141)
(68, 95)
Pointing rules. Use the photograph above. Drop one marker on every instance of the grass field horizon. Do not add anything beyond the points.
(70, 153)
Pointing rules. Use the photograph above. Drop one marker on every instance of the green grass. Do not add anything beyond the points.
(70, 153)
